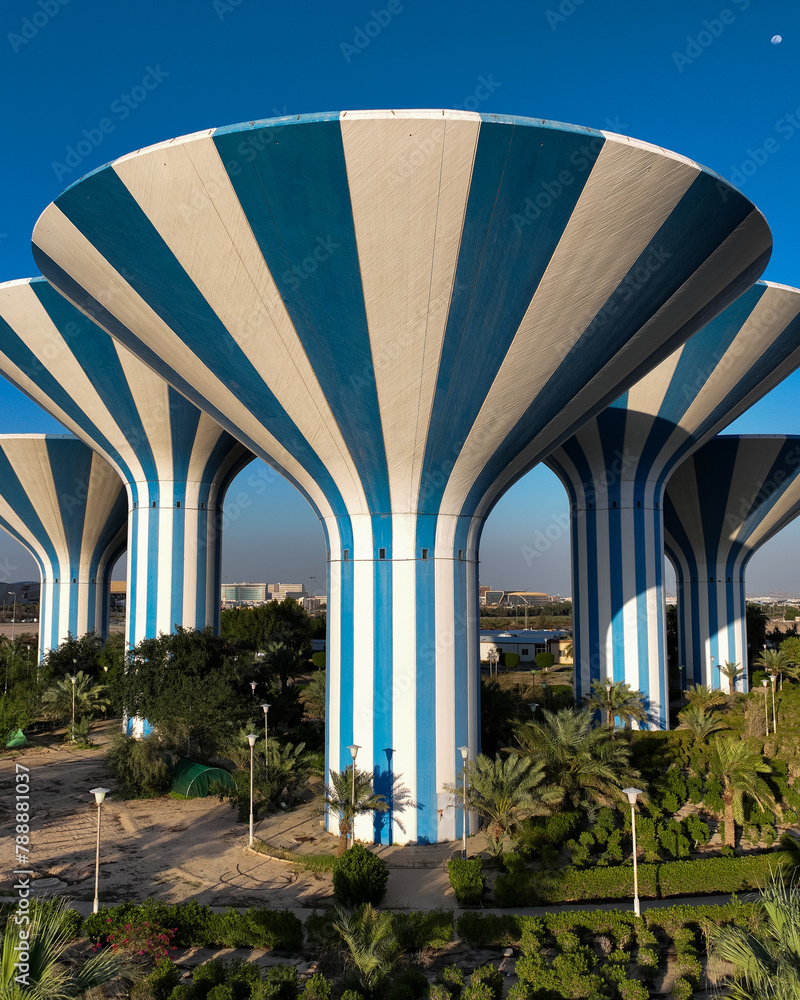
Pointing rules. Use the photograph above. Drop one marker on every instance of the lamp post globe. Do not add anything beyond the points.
(99, 797)
(632, 794)
(251, 739)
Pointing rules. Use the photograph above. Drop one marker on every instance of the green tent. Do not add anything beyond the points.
(193, 780)
(16, 739)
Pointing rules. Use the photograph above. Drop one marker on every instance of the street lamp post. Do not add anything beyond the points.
(772, 680)
(99, 796)
(251, 739)
(353, 748)
(464, 751)
(632, 794)
(73, 678)
(493, 657)
(265, 706)
(711, 682)
(765, 685)
(253, 687)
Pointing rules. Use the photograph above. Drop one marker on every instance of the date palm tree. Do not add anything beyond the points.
(50, 975)
(705, 698)
(504, 791)
(616, 699)
(766, 961)
(585, 762)
(701, 724)
(731, 672)
(774, 662)
(340, 797)
(739, 768)
(371, 943)
(90, 697)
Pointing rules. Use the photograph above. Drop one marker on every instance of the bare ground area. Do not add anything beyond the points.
(177, 850)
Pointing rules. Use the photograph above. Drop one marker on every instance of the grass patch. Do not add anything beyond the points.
(308, 862)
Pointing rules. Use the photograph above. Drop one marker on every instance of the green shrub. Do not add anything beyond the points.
(359, 876)
(632, 989)
(682, 989)
(320, 933)
(207, 975)
(139, 766)
(182, 992)
(221, 992)
(438, 991)
(453, 978)
(410, 982)
(316, 987)
(466, 878)
(281, 982)
(481, 930)
(485, 982)
(277, 930)
(159, 984)
(423, 929)
(352, 995)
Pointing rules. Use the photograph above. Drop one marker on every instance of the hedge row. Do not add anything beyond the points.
(656, 881)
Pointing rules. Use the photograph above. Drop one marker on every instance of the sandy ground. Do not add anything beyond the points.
(178, 850)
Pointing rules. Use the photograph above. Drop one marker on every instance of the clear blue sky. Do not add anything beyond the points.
(701, 77)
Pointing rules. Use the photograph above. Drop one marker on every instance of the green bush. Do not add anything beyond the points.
(466, 878)
(423, 929)
(208, 975)
(182, 992)
(277, 930)
(359, 876)
(485, 982)
(411, 981)
(139, 766)
(221, 992)
(281, 982)
(481, 930)
(632, 989)
(675, 878)
(453, 978)
(159, 984)
(316, 987)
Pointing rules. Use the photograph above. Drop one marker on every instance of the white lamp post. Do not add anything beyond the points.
(251, 739)
(73, 678)
(765, 685)
(99, 796)
(464, 751)
(772, 680)
(353, 748)
(253, 687)
(266, 709)
(632, 794)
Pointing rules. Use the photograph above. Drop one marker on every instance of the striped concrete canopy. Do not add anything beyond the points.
(721, 505)
(175, 460)
(307, 280)
(402, 312)
(67, 506)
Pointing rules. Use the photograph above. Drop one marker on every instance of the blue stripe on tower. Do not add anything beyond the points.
(163, 283)
(427, 816)
(619, 319)
(498, 262)
(382, 675)
(24, 358)
(152, 581)
(611, 423)
(71, 469)
(55, 638)
(184, 418)
(178, 517)
(347, 639)
(663, 686)
(307, 167)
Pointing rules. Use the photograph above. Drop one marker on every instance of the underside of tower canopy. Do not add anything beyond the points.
(402, 312)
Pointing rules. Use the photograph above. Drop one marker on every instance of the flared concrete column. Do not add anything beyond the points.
(67, 506)
(721, 505)
(175, 461)
(616, 469)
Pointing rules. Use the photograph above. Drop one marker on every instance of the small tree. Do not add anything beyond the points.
(738, 769)
(616, 699)
(349, 801)
(731, 672)
(89, 697)
(372, 945)
(359, 876)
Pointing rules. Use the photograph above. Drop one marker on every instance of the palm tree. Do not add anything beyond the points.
(774, 662)
(341, 797)
(50, 976)
(591, 768)
(703, 697)
(504, 792)
(702, 726)
(767, 960)
(731, 672)
(738, 769)
(373, 947)
(616, 698)
(89, 697)
(313, 696)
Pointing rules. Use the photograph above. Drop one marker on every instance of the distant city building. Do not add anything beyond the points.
(514, 598)
(260, 593)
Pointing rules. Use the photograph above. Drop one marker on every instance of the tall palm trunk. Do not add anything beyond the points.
(730, 823)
